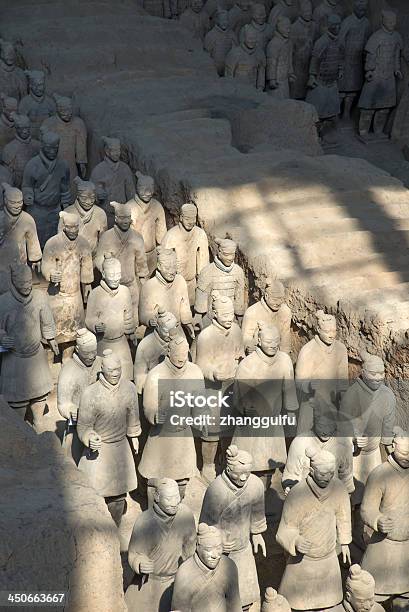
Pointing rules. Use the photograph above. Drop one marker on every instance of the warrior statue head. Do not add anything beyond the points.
(167, 264)
(22, 278)
(274, 294)
(239, 465)
(223, 310)
(273, 602)
(123, 216)
(86, 193)
(86, 346)
(326, 327)
(322, 466)
(13, 199)
(209, 547)
(226, 251)
(111, 271)
(50, 144)
(145, 187)
(166, 495)
(188, 216)
(373, 370)
(164, 322)
(112, 149)
(111, 367)
(64, 107)
(22, 125)
(360, 589)
(36, 82)
(268, 339)
(178, 349)
(71, 225)
(401, 448)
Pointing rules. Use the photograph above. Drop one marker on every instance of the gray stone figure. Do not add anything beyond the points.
(10, 253)
(240, 14)
(76, 375)
(9, 109)
(162, 538)
(283, 8)
(385, 510)
(107, 416)
(25, 320)
(13, 81)
(18, 152)
(38, 105)
(46, 187)
(246, 62)
(234, 503)
(113, 178)
(354, 34)
(220, 40)
(110, 315)
(326, 69)
(195, 19)
(322, 12)
(382, 70)
(73, 136)
(359, 592)
(302, 37)
(280, 70)
(273, 602)
(207, 581)
(258, 24)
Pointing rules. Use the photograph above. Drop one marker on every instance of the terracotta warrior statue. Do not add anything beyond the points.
(148, 217)
(271, 310)
(264, 387)
(13, 81)
(280, 70)
(112, 178)
(316, 517)
(258, 24)
(76, 375)
(127, 245)
(67, 266)
(322, 367)
(110, 315)
(93, 220)
(282, 8)
(223, 276)
(359, 592)
(38, 105)
(354, 34)
(239, 15)
(107, 416)
(302, 36)
(220, 40)
(170, 450)
(247, 62)
(326, 70)
(9, 109)
(207, 581)
(382, 70)
(234, 503)
(385, 510)
(273, 602)
(46, 187)
(20, 228)
(324, 435)
(195, 19)
(168, 290)
(323, 11)
(18, 152)
(368, 416)
(191, 246)
(162, 538)
(10, 253)
(73, 136)
(25, 320)
(218, 351)
(153, 347)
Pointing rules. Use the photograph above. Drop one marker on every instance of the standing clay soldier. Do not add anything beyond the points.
(25, 320)
(73, 136)
(240, 15)
(46, 187)
(126, 245)
(234, 503)
(259, 26)
(359, 592)
(67, 266)
(326, 69)
(93, 220)
(168, 290)
(385, 510)
(195, 19)
(246, 62)
(38, 105)
(218, 351)
(107, 416)
(271, 310)
(170, 449)
(264, 387)
(322, 12)
(17, 153)
(280, 71)
(354, 34)
(7, 120)
(283, 8)
(162, 538)
(76, 375)
(322, 368)
(223, 276)
(207, 581)
(316, 516)
(113, 178)
(368, 412)
(191, 246)
(148, 217)
(13, 81)
(110, 315)
(273, 602)
(220, 40)
(153, 348)
(382, 69)
(302, 37)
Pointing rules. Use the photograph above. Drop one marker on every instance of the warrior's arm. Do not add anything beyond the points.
(140, 370)
(371, 502)
(81, 142)
(87, 268)
(49, 262)
(232, 595)
(249, 329)
(150, 398)
(185, 312)
(47, 323)
(129, 322)
(239, 295)
(345, 467)
(202, 254)
(343, 517)
(160, 224)
(389, 421)
(33, 245)
(65, 395)
(133, 424)
(258, 523)
(295, 464)
(147, 308)
(288, 529)
(87, 417)
(205, 358)
(289, 389)
(141, 263)
(129, 185)
(65, 189)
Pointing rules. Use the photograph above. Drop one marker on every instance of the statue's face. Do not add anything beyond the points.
(86, 200)
(168, 500)
(210, 554)
(178, 354)
(188, 221)
(322, 475)
(373, 377)
(50, 151)
(389, 22)
(306, 11)
(358, 604)
(145, 191)
(112, 373)
(244, 4)
(197, 5)
(71, 230)
(23, 283)
(37, 86)
(223, 20)
(65, 112)
(269, 344)
(327, 333)
(9, 110)
(284, 27)
(112, 276)
(401, 456)
(23, 131)
(250, 39)
(324, 428)
(239, 474)
(334, 28)
(273, 300)
(123, 221)
(87, 354)
(226, 257)
(8, 55)
(14, 205)
(113, 152)
(167, 268)
(259, 14)
(360, 8)
(164, 330)
(225, 316)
